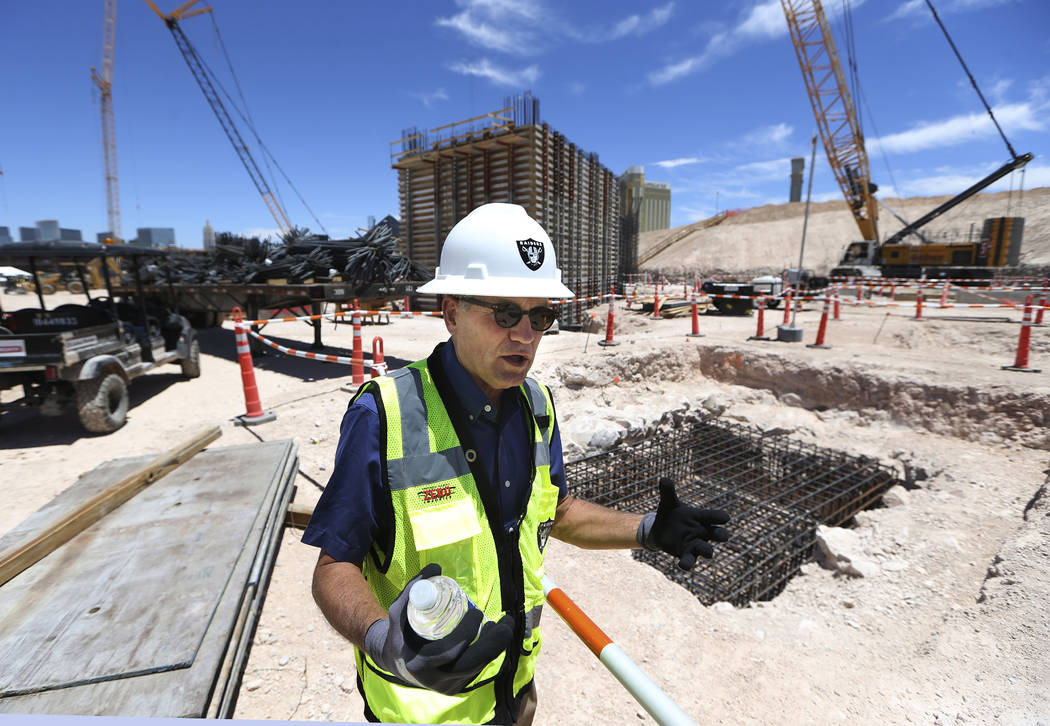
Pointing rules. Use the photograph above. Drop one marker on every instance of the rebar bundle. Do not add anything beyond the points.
(777, 490)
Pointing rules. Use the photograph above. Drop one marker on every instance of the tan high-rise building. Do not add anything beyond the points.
(652, 199)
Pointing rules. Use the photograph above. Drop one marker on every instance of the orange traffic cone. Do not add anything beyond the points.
(254, 413)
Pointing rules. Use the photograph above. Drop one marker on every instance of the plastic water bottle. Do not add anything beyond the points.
(435, 606)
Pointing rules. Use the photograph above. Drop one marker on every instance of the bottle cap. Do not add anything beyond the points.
(423, 595)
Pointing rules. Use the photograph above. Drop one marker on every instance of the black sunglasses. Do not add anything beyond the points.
(507, 314)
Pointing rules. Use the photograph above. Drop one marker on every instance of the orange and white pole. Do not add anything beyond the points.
(1024, 341)
(918, 303)
(696, 321)
(787, 308)
(254, 413)
(651, 697)
(609, 326)
(760, 334)
(838, 306)
(823, 329)
(944, 294)
(357, 356)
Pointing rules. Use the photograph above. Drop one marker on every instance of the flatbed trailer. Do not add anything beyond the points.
(208, 304)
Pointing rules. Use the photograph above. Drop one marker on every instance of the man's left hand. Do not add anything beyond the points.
(681, 530)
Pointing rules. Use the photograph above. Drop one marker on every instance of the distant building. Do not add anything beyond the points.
(47, 230)
(798, 165)
(155, 236)
(652, 199)
(5, 235)
(208, 236)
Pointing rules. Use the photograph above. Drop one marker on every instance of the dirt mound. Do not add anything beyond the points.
(768, 237)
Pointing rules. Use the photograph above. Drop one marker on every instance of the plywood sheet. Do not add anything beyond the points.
(135, 593)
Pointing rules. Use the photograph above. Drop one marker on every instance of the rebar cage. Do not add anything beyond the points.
(776, 489)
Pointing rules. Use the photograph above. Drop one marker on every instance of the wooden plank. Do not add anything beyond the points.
(298, 515)
(182, 692)
(24, 555)
(136, 591)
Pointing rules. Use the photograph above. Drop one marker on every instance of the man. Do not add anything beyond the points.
(453, 465)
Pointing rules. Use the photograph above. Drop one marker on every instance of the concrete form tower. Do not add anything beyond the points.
(798, 165)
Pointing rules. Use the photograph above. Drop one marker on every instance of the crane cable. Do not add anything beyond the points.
(267, 156)
(215, 81)
(1013, 154)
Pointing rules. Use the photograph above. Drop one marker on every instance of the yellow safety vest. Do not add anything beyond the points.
(441, 515)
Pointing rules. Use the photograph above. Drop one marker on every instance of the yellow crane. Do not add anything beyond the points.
(833, 109)
(202, 75)
(104, 81)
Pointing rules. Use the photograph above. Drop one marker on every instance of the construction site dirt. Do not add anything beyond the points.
(934, 611)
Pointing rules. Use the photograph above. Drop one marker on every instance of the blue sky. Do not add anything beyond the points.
(707, 96)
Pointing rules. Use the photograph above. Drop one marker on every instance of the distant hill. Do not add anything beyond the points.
(768, 237)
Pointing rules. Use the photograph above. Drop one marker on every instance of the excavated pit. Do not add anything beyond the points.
(777, 490)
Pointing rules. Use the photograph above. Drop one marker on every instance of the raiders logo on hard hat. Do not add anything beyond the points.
(531, 253)
(543, 533)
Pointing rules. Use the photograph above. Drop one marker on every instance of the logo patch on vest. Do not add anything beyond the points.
(531, 253)
(543, 533)
(436, 494)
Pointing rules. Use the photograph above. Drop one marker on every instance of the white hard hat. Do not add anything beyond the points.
(498, 250)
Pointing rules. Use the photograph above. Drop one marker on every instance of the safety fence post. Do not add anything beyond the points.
(823, 326)
(609, 326)
(760, 333)
(405, 312)
(649, 695)
(944, 294)
(837, 307)
(860, 290)
(893, 291)
(357, 356)
(787, 307)
(254, 413)
(1039, 310)
(378, 361)
(696, 321)
(1024, 341)
(656, 306)
(918, 304)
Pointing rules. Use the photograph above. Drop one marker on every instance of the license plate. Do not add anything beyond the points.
(12, 348)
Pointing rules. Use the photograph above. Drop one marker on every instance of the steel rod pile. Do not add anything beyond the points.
(299, 259)
(777, 490)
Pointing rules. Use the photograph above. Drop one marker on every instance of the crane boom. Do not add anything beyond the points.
(833, 108)
(200, 73)
(104, 81)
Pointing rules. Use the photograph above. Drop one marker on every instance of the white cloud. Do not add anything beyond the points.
(641, 24)
(949, 132)
(766, 20)
(917, 8)
(769, 135)
(428, 98)
(683, 161)
(765, 170)
(502, 25)
(484, 68)
(953, 181)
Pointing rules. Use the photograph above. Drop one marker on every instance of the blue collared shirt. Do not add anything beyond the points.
(346, 519)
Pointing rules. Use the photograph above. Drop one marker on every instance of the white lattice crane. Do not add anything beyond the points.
(104, 81)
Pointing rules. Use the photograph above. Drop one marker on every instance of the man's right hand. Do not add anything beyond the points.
(446, 665)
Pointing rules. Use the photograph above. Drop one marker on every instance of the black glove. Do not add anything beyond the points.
(681, 530)
(445, 665)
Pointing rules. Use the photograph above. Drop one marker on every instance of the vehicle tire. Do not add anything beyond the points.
(191, 366)
(102, 403)
(772, 304)
(47, 289)
(75, 286)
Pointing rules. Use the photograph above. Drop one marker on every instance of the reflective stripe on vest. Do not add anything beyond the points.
(440, 517)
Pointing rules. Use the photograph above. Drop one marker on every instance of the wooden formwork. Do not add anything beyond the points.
(512, 157)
